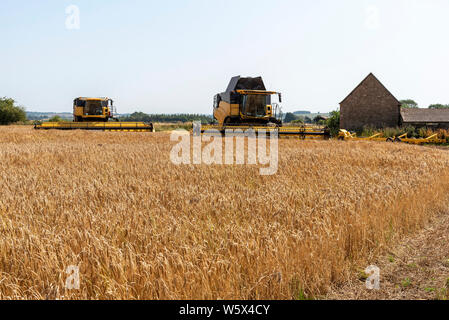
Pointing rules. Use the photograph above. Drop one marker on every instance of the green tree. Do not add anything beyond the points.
(439, 106)
(307, 120)
(333, 123)
(164, 118)
(298, 121)
(55, 119)
(289, 117)
(319, 120)
(10, 113)
(408, 103)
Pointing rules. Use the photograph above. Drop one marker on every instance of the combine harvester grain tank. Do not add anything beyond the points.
(95, 114)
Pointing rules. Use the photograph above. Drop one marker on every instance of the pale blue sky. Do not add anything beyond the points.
(173, 56)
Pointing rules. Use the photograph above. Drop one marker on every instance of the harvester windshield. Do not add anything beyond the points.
(94, 107)
(255, 105)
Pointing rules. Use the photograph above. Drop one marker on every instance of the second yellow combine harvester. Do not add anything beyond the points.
(246, 104)
(94, 114)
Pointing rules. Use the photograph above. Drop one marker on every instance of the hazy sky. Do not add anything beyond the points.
(173, 56)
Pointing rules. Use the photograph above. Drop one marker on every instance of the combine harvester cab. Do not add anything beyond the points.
(94, 114)
(246, 101)
(246, 104)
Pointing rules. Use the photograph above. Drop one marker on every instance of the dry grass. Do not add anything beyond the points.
(140, 227)
(415, 269)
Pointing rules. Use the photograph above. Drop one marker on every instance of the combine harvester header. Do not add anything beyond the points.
(97, 126)
(348, 136)
(94, 114)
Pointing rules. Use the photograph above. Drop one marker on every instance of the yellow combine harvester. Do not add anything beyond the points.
(246, 104)
(348, 136)
(94, 114)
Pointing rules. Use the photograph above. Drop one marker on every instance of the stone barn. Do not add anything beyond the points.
(370, 104)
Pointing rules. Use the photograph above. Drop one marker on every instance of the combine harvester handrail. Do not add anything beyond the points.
(348, 136)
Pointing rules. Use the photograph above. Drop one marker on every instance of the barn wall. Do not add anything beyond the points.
(369, 105)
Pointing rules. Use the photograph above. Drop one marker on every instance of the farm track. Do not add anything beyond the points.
(416, 269)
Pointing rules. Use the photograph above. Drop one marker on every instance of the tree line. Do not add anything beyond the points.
(166, 118)
(294, 118)
(332, 122)
(410, 103)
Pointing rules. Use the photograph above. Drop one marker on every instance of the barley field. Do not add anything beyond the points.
(139, 227)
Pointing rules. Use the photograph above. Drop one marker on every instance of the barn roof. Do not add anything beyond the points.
(416, 115)
(370, 76)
